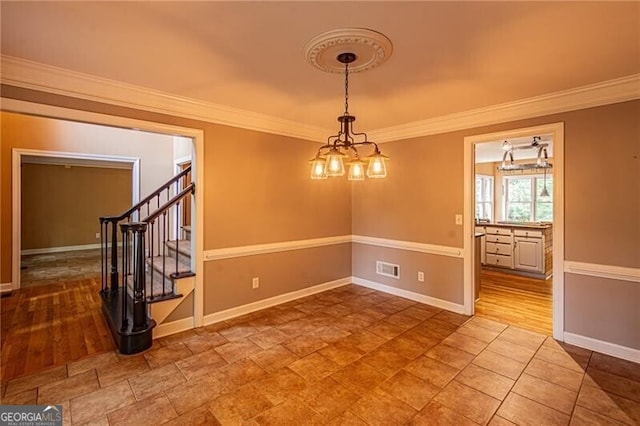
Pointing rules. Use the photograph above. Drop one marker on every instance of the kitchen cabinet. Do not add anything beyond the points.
(528, 251)
(519, 248)
(499, 247)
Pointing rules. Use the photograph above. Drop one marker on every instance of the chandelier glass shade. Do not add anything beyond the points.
(343, 147)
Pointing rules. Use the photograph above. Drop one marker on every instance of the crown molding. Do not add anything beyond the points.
(32, 75)
(593, 95)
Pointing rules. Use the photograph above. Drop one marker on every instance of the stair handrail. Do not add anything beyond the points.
(150, 197)
(191, 188)
(110, 272)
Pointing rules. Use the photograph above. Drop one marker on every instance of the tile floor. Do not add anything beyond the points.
(348, 356)
(51, 268)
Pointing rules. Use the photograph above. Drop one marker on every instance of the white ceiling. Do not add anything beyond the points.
(448, 56)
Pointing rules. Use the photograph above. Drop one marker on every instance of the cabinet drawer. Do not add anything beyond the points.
(498, 231)
(502, 239)
(497, 248)
(498, 260)
(534, 233)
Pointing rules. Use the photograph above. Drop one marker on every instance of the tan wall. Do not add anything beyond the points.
(442, 274)
(228, 281)
(420, 198)
(61, 206)
(256, 190)
(487, 169)
(602, 202)
(29, 132)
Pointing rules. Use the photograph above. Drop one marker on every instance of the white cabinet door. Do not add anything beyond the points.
(528, 254)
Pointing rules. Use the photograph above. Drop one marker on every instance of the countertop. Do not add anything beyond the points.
(534, 225)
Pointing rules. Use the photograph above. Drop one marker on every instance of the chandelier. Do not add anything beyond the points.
(361, 49)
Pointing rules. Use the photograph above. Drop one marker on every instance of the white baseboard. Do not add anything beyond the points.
(417, 297)
(601, 346)
(272, 301)
(60, 249)
(166, 329)
(6, 287)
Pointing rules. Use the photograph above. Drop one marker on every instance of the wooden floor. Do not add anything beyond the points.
(515, 300)
(50, 325)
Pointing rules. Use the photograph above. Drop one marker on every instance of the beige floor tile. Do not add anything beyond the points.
(91, 362)
(155, 410)
(407, 347)
(609, 405)
(175, 338)
(403, 321)
(330, 333)
(239, 373)
(100, 402)
(452, 317)
(468, 402)
(155, 381)
(554, 396)
(433, 371)
(473, 329)
(487, 323)
(500, 364)
(305, 345)
(267, 338)
(363, 340)
(63, 390)
(613, 383)
(386, 361)
(436, 414)
(449, 355)
(523, 411)
(199, 417)
(563, 359)
(237, 332)
(274, 358)
(28, 397)
(126, 368)
(522, 337)
(386, 330)
(617, 366)
(279, 386)
(551, 343)
(583, 417)
(341, 353)
(204, 342)
(202, 363)
(238, 349)
(164, 355)
(410, 389)
(290, 412)
(569, 379)
(35, 380)
(421, 312)
(466, 343)
(435, 328)
(424, 342)
(239, 405)
(347, 419)
(486, 381)
(379, 408)
(194, 393)
(514, 351)
(499, 421)
(359, 377)
(328, 398)
(314, 367)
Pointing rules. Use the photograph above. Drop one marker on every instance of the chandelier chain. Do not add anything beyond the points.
(346, 89)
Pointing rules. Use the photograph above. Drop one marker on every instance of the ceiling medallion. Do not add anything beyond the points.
(370, 47)
(348, 51)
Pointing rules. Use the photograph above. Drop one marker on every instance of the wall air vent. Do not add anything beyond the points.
(388, 269)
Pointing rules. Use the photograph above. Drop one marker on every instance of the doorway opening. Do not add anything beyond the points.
(513, 205)
(514, 224)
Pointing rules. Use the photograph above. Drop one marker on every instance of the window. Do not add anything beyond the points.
(523, 202)
(484, 197)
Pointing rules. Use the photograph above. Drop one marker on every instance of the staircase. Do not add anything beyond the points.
(146, 264)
